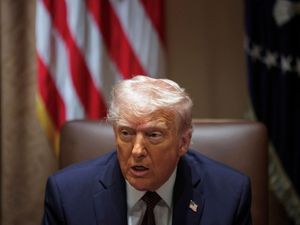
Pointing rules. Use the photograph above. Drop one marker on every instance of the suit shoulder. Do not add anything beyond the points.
(86, 168)
(227, 192)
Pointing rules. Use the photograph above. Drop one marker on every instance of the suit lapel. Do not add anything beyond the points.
(110, 197)
(110, 202)
(188, 197)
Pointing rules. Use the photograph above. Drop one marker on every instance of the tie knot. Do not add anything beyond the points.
(151, 199)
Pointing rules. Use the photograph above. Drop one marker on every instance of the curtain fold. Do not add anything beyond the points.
(26, 160)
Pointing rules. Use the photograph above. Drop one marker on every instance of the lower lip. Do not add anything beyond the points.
(139, 173)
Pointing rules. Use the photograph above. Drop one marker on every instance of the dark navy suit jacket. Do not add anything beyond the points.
(94, 193)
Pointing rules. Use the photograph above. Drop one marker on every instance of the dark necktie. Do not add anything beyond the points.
(151, 199)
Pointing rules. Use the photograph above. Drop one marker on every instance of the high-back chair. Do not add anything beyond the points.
(238, 143)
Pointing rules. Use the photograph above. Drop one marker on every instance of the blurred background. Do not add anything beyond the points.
(207, 47)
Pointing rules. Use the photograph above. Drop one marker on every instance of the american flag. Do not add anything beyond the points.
(272, 47)
(85, 46)
(193, 206)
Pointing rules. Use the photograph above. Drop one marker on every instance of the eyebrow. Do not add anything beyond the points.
(144, 127)
(153, 126)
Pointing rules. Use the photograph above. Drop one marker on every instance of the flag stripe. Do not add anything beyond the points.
(141, 34)
(55, 105)
(86, 46)
(114, 38)
(52, 52)
(90, 42)
(155, 10)
(92, 101)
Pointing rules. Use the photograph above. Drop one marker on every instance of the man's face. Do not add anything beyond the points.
(149, 149)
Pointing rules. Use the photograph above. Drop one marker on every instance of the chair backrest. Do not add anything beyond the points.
(238, 143)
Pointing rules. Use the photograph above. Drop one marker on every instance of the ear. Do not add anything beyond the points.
(185, 141)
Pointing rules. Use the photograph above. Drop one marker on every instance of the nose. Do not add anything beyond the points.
(138, 149)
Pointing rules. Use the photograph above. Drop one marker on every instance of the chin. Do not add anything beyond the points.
(141, 189)
(140, 186)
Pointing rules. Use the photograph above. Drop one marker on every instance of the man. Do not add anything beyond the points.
(152, 122)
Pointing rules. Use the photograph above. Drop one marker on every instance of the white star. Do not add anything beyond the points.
(286, 64)
(255, 52)
(270, 59)
(283, 12)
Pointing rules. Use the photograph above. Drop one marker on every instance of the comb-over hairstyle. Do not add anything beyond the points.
(141, 96)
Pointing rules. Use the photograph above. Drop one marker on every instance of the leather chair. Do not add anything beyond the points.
(240, 144)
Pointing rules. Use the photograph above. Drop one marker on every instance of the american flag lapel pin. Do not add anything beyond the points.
(193, 206)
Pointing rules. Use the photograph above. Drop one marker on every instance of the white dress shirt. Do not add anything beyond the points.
(163, 211)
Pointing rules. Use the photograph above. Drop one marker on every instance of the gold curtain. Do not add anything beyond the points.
(26, 158)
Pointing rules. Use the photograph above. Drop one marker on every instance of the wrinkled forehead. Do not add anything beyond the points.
(160, 118)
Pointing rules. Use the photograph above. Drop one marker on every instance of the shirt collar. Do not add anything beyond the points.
(165, 192)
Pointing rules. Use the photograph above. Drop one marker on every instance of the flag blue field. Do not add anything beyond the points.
(272, 45)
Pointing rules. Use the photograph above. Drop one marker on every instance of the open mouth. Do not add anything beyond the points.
(139, 168)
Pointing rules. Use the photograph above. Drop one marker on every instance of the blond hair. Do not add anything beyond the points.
(142, 96)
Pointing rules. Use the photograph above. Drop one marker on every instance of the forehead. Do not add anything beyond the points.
(159, 119)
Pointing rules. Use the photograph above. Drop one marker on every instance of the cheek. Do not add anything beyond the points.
(123, 152)
(164, 167)
(166, 159)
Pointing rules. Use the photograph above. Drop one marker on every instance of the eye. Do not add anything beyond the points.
(155, 136)
(125, 134)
